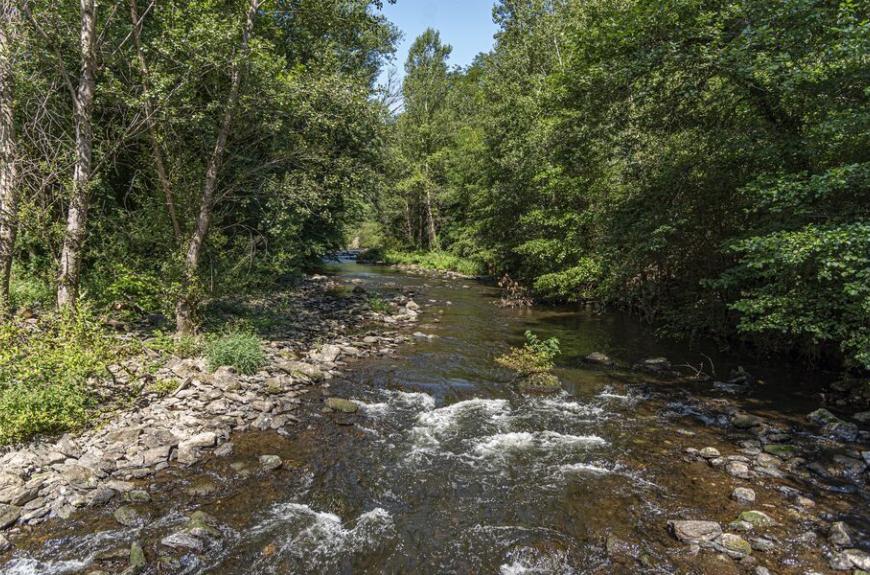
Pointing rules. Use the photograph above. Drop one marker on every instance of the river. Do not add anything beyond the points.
(447, 468)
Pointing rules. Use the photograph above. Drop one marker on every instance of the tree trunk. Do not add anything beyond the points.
(74, 235)
(159, 165)
(184, 308)
(430, 220)
(8, 192)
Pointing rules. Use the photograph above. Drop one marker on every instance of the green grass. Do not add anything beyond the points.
(28, 292)
(241, 350)
(378, 304)
(439, 261)
(45, 371)
(180, 346)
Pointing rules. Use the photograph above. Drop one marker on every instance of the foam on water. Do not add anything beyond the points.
(545, 441)
(565, 408)
(585, 468)
(314, 538)
(412, 399)
(529, 561)
(31, 566)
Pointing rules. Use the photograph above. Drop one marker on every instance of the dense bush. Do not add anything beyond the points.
(45, 372)
(236, 348)
(536, 356)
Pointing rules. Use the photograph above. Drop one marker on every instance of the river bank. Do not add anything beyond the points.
(332, 323)
(435, 462)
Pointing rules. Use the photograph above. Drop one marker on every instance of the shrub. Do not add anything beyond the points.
(536, 356)
(180, 346)
(44, 372)
(163, 387)
(241, 350)
(379, 304)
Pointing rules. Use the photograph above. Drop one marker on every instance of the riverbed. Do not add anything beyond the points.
(445, 467)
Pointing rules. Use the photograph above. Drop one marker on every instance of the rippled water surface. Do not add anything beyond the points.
(448, 469)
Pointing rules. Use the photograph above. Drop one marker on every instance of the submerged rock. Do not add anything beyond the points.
(540, 383)
(599, 358)
(270, 462)
(341, 405)
(694, 531)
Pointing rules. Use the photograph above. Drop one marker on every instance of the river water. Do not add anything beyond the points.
(447, 468)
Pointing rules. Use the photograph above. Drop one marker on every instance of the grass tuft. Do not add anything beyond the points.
(241, 350)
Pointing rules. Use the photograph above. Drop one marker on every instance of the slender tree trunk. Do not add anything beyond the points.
(74, 235)
(184, 308)
(430, 221)
(157, 154)
(8, 160)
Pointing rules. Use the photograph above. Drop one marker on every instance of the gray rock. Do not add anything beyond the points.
(738, 469)
(743, 495)
(709, 453)
(137, 496)
(128, 517)
(224, 450)
(206, 439)
(341, 405)
(860, 559)
(9, 514)
(4, 544)
(756, 518)
(762, 544)
(694, 531)
(746, 421)
(270, 462)
(183, 540)
(102, 495)
(598, 358)
(838, 534)
(735, 545)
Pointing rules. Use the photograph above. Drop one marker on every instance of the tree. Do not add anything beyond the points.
(74, 236)
(9, 25)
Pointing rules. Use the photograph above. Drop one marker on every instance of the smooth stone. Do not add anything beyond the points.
(599, 358)
(9, 514)
(341, 405)
(270, 462)
(743, 495)
(738, 469)
(762, 544)
(127, 516)
(735, 544)
(756, 518)
(694, 531)
(709, 453)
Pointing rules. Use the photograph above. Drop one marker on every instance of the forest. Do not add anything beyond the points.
(702, 164)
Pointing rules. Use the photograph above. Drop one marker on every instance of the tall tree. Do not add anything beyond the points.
(185, 306)
(77, 212)
(8, 157)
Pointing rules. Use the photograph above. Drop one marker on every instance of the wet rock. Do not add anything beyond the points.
(138, 562)
(183, 540)
(746, 421)
(838, 534)
(738, 469)
(128, 517)
(101, 496)
(137, 496)
(540, 383)
(863, 417)
(735, 545)
(326, 354)
(4, 544)
(202, 525)
(833, 426)
(756, 518)
(780, 450)
(224, 450)
(709, 453)
(9, 514)
(694, 531)
(201, 488)
(859, 559)
(341, 405)
(763, 544)
(743, 495)
(598, 358)
(270, 462)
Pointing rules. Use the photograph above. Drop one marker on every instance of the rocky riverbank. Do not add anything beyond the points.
(326, 325)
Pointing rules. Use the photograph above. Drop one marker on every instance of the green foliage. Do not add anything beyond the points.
(235, 348)
(378, 304)
(29, 292)
(703, 164)
(435, 260)
(184, 346)
(535, 357)
(45, 372)
(164, 387)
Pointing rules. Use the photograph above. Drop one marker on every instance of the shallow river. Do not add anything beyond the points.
(448, 469)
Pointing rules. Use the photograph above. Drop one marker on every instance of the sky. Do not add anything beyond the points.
(464, 24)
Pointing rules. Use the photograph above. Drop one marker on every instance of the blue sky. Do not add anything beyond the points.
(464, 24)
